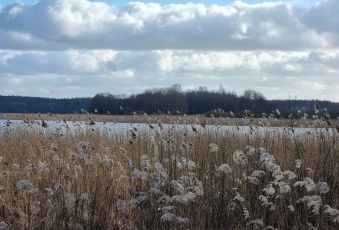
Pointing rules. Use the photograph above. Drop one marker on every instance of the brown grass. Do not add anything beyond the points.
(168, 178)
(169, 119)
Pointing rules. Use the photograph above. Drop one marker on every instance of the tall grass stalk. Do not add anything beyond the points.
(169, 178)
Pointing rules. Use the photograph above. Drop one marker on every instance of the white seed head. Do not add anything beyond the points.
(26, 185)
(298, 163)
(239, 157)
(323, 187)
(224, 168)
(3, 226)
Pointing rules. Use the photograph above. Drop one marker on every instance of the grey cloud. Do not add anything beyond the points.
(71, 48)
(80, 24)
(36, 63)
(140, 61)
(85, 73)
(328, 59)
(324, 17)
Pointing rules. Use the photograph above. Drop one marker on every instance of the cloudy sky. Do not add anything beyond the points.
(77, 48)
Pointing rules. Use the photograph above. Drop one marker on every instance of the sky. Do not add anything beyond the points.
(78, 48)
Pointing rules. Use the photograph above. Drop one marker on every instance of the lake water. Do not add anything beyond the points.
(116, 128)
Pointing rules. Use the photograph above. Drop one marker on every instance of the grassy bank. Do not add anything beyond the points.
(169, 179)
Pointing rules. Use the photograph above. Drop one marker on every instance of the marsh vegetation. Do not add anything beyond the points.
(168, 178)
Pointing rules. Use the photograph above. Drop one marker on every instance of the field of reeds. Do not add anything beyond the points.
(169, 178)
(267, 120)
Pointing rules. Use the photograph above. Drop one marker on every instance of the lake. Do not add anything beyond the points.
(117, 128)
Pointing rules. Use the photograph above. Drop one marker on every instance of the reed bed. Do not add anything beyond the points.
(271, 120)
(168, 178)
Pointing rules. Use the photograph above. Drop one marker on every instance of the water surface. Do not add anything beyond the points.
(120, 128)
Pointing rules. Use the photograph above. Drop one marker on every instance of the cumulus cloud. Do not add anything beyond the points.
(88, 72)
(81, 24)
(72, 48)
(323, 17)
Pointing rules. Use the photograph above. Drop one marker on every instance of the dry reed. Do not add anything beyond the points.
(169, 178)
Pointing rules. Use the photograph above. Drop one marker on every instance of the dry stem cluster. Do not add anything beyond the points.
(168, 178)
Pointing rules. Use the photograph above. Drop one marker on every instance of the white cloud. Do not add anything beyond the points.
(89, 72)
(70, 48)
(81, 24)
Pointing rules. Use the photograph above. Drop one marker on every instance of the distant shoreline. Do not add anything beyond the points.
(168, 119)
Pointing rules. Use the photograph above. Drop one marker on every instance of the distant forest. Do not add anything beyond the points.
(19, 104)
(172, 100)
(202, 101)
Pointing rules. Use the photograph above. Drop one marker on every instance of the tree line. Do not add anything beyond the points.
(174, 100)
(20, 104)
